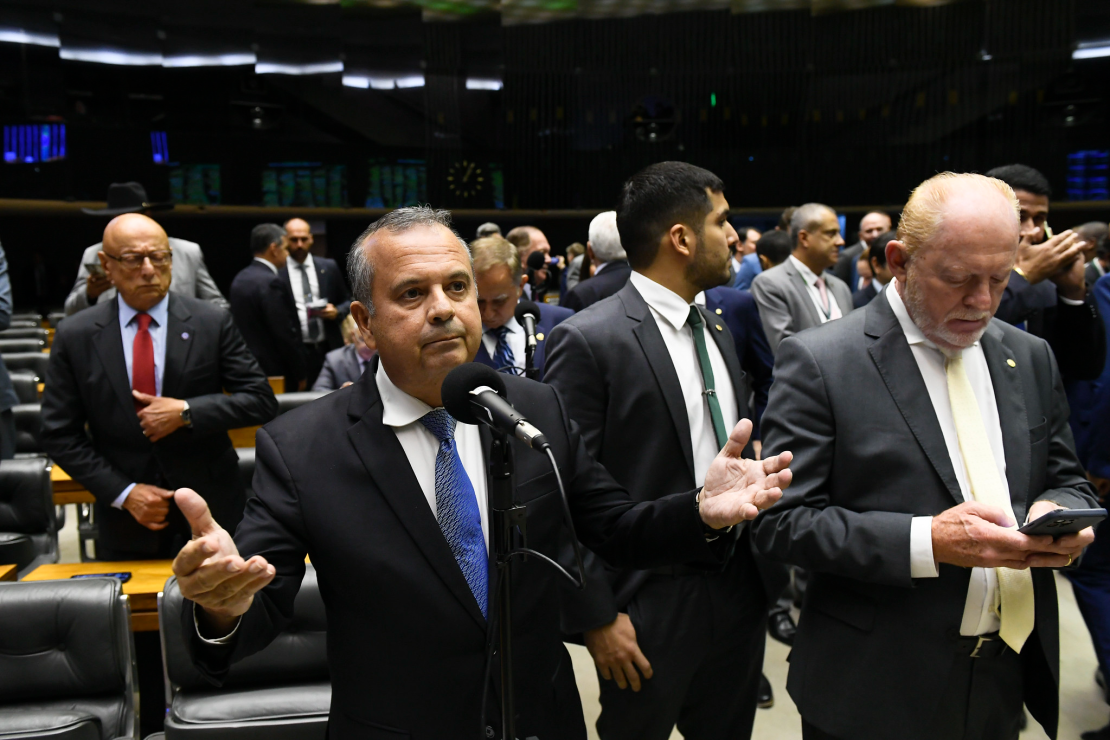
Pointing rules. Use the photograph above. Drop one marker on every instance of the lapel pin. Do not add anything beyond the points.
(184, 335)
(718, 327)
(1011, 363)
(719, 312)
(539, 337)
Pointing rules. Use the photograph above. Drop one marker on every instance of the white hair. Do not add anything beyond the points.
(605, 240)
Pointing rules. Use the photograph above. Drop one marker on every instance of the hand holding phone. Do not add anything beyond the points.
(1063, 522)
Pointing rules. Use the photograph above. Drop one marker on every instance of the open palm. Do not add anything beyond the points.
(737, 489)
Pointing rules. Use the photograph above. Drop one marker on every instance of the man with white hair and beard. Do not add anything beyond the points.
(610, 264)
(924, 432)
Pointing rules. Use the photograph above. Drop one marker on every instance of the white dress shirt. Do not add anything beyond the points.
(980, 608)
(670, 312)
(129, 327)
(515, 337)
(811, 282)
(295, 282)
(599, 267)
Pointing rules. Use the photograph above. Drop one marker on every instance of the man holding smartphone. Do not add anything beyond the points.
(927, 614)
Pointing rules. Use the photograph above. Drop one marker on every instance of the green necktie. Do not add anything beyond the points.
(697, 324)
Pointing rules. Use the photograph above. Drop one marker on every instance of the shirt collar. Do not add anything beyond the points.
(599, 267)
(664, 301)
(308, 263)
(268, 263)
(512, 325)
(803, 269)
(399, 409)
(158, 312)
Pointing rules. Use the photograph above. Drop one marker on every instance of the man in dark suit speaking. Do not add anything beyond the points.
(924, 432)
(383, 490)
(145, 373)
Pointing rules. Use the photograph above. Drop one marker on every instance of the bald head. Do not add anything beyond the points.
(298, 236)
(872, 225)
(133, 230)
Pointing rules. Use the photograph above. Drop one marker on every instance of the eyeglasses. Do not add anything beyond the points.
(134, 260)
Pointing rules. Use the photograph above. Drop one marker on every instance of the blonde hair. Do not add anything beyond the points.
(348, 329)
(923, 214)
(491, 251)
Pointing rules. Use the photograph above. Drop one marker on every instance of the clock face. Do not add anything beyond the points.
(466, 179)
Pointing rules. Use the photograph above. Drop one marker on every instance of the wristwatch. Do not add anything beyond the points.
(186, 415)
(710, 533)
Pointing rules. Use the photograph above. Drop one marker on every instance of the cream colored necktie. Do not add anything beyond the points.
(1014, 586)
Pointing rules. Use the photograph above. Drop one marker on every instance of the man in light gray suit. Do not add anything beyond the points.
(799, 294)
(189, 276)
(927, 614)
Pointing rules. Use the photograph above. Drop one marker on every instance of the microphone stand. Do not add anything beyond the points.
(530, 370)
(505, 515)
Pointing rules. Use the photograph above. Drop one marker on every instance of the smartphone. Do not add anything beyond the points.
(123, 577)
(1064, 521)
(95, 268)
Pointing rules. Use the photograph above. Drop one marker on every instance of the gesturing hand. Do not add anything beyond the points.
(737, 489)
(617, 654)
(210, 571)
(1042, 261)
(160, 417)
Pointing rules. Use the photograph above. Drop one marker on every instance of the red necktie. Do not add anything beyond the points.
(142, 360)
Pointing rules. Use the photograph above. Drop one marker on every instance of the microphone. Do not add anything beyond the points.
(527, 313)
(475, 394)
(537, 261)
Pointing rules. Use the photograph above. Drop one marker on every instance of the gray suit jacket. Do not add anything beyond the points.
(875, 647)
(340, 365)
(190, 277)
(843, 268)
(784, 303)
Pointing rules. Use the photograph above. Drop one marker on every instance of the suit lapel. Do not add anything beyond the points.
(379, 450)
(109, 348)
(651, 341)
(1012, 416)
(728, 352)
(801, 290)
(894, 359)
(180, 336)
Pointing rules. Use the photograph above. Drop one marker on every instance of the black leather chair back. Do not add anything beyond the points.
(11, 346)
(24, 333)
(298, 655)
(35, 361)
(26, 318)
(55, 318)
(246, 468)
(28, 427)
(290, 401)
(26, 386)
(65, 653)
(28, 532)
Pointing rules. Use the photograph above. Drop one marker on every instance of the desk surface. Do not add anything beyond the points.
(7, 572)
(67, 490)
(148, 577)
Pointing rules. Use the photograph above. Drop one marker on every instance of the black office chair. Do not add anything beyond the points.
(281, 693)
(36, 362)
(24, 333)
(66, 665)
(26, 385)
(12, 346)
(246, 468)
(26, 317)
(290, 401)
(28, 427)
(28, 530)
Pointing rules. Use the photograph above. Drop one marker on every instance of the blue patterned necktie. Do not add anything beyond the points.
(457, 508)
(503, 356)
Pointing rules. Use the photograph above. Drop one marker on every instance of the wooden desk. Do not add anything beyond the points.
(67, 490)
(148, 577)
(7, 572)
(244, 436)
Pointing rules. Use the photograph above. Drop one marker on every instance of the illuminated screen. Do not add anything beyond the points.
(35, 142)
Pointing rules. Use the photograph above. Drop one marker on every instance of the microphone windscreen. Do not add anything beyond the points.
(537, 260)
(458, 384)
(525, 308)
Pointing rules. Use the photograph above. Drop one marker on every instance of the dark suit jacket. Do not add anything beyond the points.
(86, 383)
(263, 307)
(1075, 333)
(864, 295)
(611, 366)
(1090, 407)
(875, 647)
(332, 286)
(550, 317)
(406, 639)
(599, 287)
(1091, 275)
(845, 267)
(741, 315)
(340, 366)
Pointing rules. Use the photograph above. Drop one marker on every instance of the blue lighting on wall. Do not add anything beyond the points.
(159, 147)
(31, 143)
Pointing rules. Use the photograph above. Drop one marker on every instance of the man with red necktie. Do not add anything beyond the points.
(147, 373)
